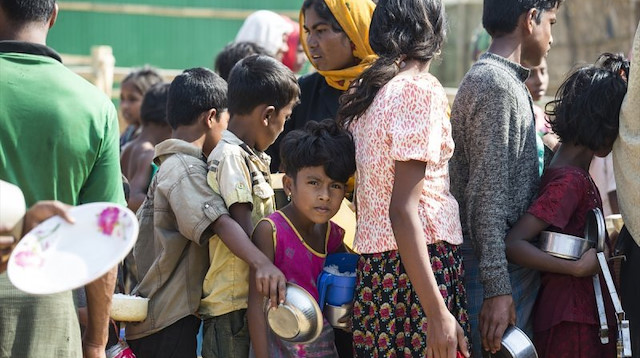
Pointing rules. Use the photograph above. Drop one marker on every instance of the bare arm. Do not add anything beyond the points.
(522, 252)
(268, 280)
(263, 239)
(99, 294)
(139, 180)
(444, 334)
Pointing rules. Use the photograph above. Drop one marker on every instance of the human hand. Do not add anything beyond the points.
(496, 315)
(39, 212)
(445, 337)
(271, 283)
(90, 350)
(587, 265)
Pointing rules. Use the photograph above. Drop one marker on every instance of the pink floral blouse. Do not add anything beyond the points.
(407, 120)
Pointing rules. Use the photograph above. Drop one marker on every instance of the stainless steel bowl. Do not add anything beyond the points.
(334, 314)
(515, 344)
(563, 245)
(595, 228)
(298, 319)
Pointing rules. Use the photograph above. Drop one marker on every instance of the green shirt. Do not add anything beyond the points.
(58, 140)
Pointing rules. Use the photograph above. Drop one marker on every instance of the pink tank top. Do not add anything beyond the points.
(298, 262)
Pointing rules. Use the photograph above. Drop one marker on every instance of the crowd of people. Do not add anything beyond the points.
(450, 197)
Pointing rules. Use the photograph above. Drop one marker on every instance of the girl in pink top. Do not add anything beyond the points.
(410, 299)
(318, 161)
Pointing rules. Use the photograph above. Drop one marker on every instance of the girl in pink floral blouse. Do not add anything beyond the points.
(410, 300)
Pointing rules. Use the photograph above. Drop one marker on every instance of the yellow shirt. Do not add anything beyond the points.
(239, 175)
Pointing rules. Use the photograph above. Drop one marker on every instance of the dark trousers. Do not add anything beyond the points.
(175, 341)
(630, 288)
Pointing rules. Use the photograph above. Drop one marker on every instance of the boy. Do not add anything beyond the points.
(178, 218)
(494, 169)
(262, 93)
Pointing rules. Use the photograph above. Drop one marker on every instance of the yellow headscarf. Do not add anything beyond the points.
(354, 16)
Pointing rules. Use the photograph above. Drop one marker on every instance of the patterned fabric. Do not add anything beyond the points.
(406, 121)
(566, 195)
(322, 347)
(388, 320)
(298, 262)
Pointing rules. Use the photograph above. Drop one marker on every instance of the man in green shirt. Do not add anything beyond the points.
(58, 141)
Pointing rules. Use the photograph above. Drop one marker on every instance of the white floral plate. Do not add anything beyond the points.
(57, 256)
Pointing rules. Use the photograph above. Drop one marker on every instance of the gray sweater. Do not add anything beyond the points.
(494, 169)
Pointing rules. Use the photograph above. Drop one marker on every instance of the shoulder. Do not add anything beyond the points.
(310, 80)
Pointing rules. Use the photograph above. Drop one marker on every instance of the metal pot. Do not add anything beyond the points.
(563, 245)
(595, 228)
(334, 314)
(298, 319)
(515, 344)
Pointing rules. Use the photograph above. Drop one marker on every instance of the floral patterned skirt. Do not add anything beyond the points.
(388, 320)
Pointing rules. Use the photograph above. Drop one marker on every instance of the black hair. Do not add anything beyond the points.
(324, 12)
(319, 144)
(500, 17)
(586, 108)
(234, 52)
(192, 92)
(23, 11)
(400, 29)
(142, 78)
(154, 104)
(260, 79)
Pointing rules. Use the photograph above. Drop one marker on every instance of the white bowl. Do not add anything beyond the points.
(129, 308)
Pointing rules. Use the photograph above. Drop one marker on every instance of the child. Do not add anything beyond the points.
(495, 168)
(234, 52)
(318, 161)
(178, 218)
(132, 90)
(136, 159)
(410, 299)
(585, 117)
(262, 93)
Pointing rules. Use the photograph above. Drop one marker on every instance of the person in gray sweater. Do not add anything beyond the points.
(494, 169)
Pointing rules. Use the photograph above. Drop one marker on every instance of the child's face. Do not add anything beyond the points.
(538, 80)
(536, 46)
(275, 125)
(130, 101)
(316, 196)
(215, 133)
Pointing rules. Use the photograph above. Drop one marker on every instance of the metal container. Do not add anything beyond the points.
(515, 344)
(563, 245)
(298, 319)
(120, 350)
(595, 228)
(334, 314)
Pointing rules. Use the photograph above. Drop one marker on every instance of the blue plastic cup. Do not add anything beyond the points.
(337, 290)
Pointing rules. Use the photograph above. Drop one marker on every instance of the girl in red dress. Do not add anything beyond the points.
(585, 117)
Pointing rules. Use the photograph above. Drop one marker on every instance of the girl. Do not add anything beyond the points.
(318, 162)
(335, 40)
(132, 90)
(410, 299)
(585, 117)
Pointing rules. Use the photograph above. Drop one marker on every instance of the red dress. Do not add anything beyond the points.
(565, 317)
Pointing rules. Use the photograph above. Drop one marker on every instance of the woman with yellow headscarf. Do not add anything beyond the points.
(335, 37)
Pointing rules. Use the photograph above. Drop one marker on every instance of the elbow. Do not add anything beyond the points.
(397, 214)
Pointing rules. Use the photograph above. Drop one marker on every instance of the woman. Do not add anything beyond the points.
(410, 299)
(335, 37)
(267, 29)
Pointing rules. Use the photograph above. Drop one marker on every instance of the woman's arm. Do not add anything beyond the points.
(444, 334)
(521, 251)
(263, 239)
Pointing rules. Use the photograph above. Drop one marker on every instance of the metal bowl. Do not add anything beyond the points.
(515, 344)
(563, 245)
(595, 228)
(298, 319)
(334, 314)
